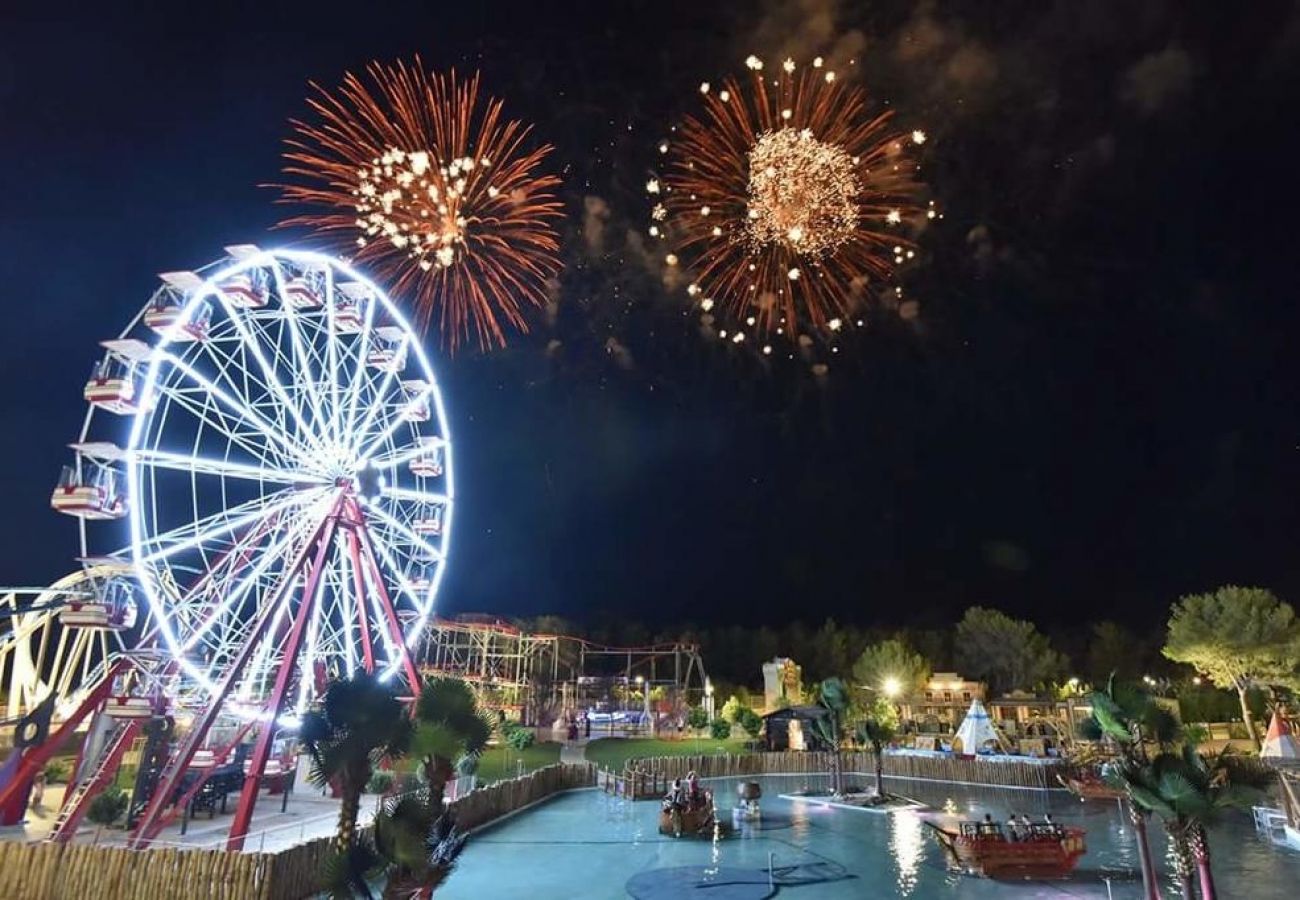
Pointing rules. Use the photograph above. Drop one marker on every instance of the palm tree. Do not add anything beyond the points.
(877, 732)
(449, 726)
(1131, 718)
(1189, 791)
(417, 849)
(360, 721)
(833, 696)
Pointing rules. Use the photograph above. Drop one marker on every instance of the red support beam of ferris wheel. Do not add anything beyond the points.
(386, 604)
(175, 770)
(359, 585)
(275, 704)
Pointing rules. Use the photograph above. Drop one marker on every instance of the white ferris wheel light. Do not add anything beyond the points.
(252, 433)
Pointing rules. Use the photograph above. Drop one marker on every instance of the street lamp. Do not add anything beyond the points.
(708, 698)
(892, 687)
(645, 699)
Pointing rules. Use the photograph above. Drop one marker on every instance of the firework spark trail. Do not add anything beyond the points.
(433, 190)
(783, 199)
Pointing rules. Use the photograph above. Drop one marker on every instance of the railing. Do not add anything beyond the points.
(49, 871)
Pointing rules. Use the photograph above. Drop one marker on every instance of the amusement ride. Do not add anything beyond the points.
(263, 489)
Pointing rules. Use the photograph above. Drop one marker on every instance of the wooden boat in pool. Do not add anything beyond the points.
(1089, 786)
(693, 820)
(1044, 851)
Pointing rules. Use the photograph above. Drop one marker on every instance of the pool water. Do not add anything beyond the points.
(586, 844)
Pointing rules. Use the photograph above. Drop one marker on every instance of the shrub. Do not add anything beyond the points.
(731, 709)
(697, 718)
(721, 729)
(108, 807)
(520, 738)
(751, 721)
(57, 771)
(379, 783)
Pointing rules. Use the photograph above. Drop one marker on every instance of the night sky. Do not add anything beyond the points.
(1092, 411)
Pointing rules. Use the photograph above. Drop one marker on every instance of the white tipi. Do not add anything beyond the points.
(1280, 744)
(976, 730)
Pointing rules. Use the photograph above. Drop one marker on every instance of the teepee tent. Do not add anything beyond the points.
(976, 730)
(1280, 744)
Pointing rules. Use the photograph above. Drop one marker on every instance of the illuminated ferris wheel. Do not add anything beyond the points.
(285, 473)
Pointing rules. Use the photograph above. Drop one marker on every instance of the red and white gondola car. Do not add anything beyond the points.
(112, 387)
(348, 298)
(429, 521)
(128, 707)
(244, 291)
(301, 292)
(415, 403)
(428, 464)
(88, 498)
(166, 318)
(388, 352)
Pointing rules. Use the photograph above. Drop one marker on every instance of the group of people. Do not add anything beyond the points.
(1019, 827)
(685, 796)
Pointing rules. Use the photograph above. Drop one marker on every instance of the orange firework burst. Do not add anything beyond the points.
(786, 201)
(435, 192)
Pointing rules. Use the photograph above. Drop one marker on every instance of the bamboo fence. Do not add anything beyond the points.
(51, 871)
(642, 776)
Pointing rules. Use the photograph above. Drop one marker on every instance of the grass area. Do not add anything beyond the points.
(612, 753)
(502, 762)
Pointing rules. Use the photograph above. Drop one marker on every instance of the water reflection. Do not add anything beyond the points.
(907, 843)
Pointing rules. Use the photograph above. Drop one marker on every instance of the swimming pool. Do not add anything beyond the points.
(586, 844)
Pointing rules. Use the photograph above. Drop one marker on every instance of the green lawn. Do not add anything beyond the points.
(611, 753)
(502, 762)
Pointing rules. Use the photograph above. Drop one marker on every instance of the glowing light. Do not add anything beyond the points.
(753, 62)
(891, 687)
(918, 137)
(467, 235)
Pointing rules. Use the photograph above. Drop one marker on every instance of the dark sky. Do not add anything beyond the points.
(1093, 412)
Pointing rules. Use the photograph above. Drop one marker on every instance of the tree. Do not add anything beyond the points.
(1131, 718)
(107, 808)
(360, 721)
(720, 729)
(414, 850)
(448, 726)
(1189, 792)
(833, 696)
(1237, 637)
(1009, 654)
(1114, 649)
(891, 667)
(750, 721)
(730, 709)
(877, 731)
(697, 717)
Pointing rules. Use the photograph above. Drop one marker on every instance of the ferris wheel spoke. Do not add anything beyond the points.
(195, 534)
(230, 599)
(264, 428)
(411, 405)
(224, 468)
(253, 345)
(434, 554)
(203, 408)
(408, 495)
(332, 356)
(306, 380)
(359, 375)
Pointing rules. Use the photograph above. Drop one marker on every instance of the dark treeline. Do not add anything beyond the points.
(734, 654)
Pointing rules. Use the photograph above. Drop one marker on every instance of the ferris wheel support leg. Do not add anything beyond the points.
(359, 581)
(145, 830)
(257, 762)
(36, 758)
(390, 615)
